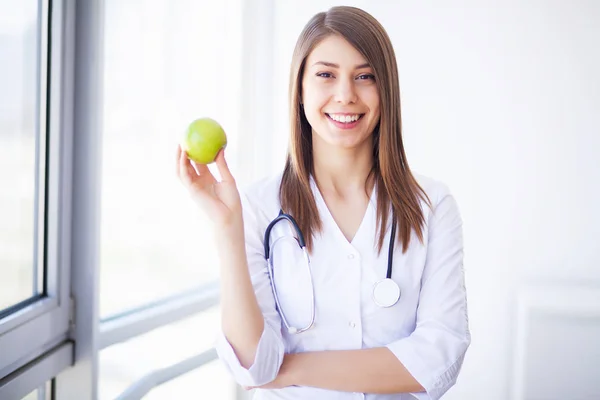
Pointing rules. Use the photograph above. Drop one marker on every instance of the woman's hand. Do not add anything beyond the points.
(219, 200)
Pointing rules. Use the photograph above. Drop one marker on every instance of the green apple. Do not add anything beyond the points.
(203, 140)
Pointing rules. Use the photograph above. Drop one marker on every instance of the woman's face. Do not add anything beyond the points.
(339, 94)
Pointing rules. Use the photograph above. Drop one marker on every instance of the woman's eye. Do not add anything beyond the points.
(366, 77)
(324, 75)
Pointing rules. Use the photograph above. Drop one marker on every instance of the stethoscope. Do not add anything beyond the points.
(386, 292)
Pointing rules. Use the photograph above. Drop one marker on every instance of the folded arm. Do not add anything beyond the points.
(374, 370)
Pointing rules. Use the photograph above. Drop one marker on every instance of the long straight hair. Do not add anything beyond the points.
(394, 181)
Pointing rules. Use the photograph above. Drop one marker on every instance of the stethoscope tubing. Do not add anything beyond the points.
(302, 244)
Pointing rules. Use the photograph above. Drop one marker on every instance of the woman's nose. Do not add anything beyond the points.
(345, 92)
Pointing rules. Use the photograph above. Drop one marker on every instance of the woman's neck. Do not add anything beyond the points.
(342, 171)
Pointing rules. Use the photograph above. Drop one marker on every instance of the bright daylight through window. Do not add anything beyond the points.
(162, 70)
(22, 148)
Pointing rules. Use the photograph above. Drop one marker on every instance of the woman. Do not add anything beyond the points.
(359, 207)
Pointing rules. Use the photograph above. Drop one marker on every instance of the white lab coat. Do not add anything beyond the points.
(427, 329)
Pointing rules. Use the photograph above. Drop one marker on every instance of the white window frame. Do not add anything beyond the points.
(30, 334)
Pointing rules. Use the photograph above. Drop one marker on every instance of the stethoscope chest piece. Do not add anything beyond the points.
(386, 293)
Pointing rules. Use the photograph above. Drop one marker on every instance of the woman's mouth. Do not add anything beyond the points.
(345, 121)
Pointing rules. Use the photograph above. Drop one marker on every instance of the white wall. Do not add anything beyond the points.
(500, 101)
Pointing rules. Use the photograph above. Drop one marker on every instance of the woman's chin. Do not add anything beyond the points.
(345, 141)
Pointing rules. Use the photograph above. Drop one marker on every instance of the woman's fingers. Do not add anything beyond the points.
(202, 170)
(193, 173)
(226, 175)
(177, 164)
(186, 171)
(215, 199)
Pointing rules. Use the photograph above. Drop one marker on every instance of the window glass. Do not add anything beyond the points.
(166, 63)
(22, 151)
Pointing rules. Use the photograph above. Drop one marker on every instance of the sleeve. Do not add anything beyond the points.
(270, 350)
(434, 352)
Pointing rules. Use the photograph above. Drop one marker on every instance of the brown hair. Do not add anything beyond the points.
(393, 178)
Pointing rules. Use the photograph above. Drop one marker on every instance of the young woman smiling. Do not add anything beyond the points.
(342, 276)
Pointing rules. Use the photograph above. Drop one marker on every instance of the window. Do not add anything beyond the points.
(95, 98)
(22, 148)
(166, 63)
(34, 284)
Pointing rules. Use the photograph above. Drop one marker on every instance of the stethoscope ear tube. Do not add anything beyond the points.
(292, 221)
(391, 249)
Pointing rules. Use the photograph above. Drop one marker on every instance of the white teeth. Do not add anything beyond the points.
(344, 118)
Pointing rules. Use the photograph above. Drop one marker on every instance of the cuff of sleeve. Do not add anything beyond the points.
(404, 351)
(268, 359)
(421, 396)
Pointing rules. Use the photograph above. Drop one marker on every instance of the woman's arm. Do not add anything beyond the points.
(250, 339)
(241, 318)
(374, 370)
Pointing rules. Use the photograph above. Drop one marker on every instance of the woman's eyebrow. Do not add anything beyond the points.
(333, 65)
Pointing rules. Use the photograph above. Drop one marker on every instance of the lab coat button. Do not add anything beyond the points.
(352, 324)
(350, 256)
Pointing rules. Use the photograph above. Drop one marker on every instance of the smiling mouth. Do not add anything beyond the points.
(345, 118)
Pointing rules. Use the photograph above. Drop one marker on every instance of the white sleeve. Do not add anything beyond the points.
(270, 350)
(434, 352)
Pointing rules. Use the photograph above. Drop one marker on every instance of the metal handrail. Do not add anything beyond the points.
(144, 385)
